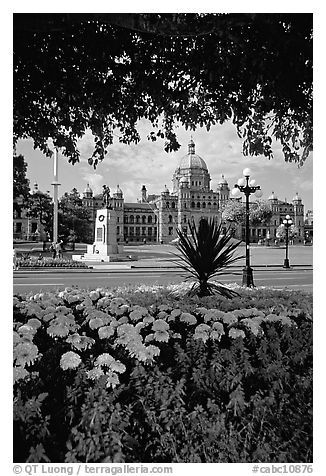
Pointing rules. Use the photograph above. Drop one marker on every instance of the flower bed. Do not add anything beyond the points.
(102, 376)
(46, 262)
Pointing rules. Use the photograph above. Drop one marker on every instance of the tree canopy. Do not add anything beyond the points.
(104, 72)
(260, 212)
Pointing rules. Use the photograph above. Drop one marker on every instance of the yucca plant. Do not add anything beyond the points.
(207, 253)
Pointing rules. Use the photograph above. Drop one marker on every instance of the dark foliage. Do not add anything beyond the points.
(246, 398)
(104, 72)
(207, 253)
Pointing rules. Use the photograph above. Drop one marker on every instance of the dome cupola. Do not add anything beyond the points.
(297, 198)
(118, 193)
(272, 197)
(88, 192)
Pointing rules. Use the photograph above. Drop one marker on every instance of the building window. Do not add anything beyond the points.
(118, 219)
(173, 205)
(209, 204)
(167, 204)
(198, 205)
(204, 205)
(150, 219)
(137, 219)
(192, 183)
(192, 204)
(131, 231)
(170, 218)
(184, 219)
(143, 219)
(185, 204)
(137, 230)
(143, 230)
(118, 230)
(150, 231)
(125, 219)
(131, 219)
(170, 230)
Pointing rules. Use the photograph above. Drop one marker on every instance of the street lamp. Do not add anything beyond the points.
(247, 187)
(287, 222)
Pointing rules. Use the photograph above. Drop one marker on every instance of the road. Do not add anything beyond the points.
(25, 281)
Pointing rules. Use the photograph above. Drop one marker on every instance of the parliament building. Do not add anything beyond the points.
(155, 218)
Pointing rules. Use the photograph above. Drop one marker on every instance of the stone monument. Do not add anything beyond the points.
(105, 246)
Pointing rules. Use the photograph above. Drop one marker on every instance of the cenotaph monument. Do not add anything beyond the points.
(105, 247)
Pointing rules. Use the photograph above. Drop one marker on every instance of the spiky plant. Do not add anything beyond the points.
(207, 253)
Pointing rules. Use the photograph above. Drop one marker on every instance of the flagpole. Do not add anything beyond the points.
(55, 184)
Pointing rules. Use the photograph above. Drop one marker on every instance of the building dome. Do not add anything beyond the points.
(192, 160)
(166, 190)
(296, 198)
(88, 192)
(118, 191)
(222, 181)
(272, 197)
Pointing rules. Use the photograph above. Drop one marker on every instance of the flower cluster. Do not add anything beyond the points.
(100, 329)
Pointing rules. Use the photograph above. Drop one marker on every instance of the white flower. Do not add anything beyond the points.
(19, 373)
(217, 331)
(229, 318)
(152, 351)
(25, 353)
(160, 325)
(104, 359)
(213, 315)
(94, 295)
(96, 323)
(58, 330)
(95, 373)
(148, 319)
(234, 333)
(70, 360)
(135, 315)
(202, 332)
(112, 380)
(105, 332)
(117, 366)
(188, 318)
(35, 323)
(161, 336)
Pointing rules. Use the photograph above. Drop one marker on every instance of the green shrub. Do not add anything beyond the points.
(99, 378)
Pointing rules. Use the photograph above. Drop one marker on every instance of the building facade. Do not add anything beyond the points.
(26, 228)
(156, 217)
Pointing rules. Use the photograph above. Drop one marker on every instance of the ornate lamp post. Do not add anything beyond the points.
(247, 187)
(287, 222)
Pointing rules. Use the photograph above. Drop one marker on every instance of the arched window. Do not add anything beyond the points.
(143, 219)
(167, 204)
(173, 205)
(204, 205)
(192, 204)
(209, 204)
(170, 218)
(150, 219)
(214, 204)
(198, 205)
(131, 219)
(137, 218)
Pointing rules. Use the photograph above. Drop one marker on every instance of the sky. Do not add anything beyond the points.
(146, 163)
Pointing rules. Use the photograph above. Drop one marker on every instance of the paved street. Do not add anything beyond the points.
(155, 265)
(25, 281)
